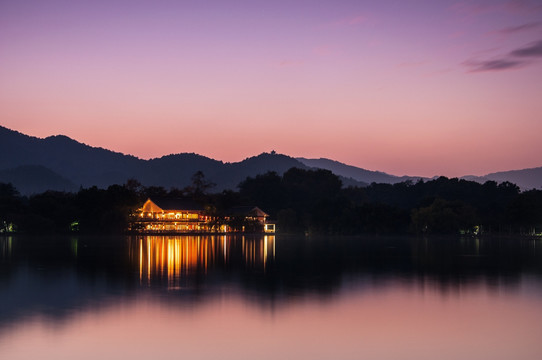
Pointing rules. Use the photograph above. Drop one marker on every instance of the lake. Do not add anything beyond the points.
(270, 297)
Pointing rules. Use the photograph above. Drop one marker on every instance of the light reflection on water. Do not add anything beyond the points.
(177, 257)
(207, 297)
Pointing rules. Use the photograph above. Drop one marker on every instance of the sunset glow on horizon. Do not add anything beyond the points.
(409, 88)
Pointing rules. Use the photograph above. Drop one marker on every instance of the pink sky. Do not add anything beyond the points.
(420, 88)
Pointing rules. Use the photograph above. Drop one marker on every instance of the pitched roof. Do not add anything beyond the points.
(165, 204)
(246, 211)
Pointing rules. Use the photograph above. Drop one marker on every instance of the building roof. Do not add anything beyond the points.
(246, 211)
(169, 204)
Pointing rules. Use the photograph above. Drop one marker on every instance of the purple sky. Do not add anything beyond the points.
(407, 87)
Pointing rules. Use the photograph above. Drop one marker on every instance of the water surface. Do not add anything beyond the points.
(270, 297)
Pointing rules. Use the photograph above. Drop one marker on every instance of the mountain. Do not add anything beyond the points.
(526, 179)
(81, 164)
(59, 163)
(34, 179)
(233, 173)
(34, 165)
(358, 174)
(177, 170)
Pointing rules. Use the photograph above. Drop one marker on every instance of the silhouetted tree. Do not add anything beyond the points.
(299, 200)
(11, 207)
(444, 216)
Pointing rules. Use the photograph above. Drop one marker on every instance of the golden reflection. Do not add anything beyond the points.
(5, 247)
(174, 258)
(74, 246)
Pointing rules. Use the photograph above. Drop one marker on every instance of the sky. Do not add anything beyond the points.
(407, 87)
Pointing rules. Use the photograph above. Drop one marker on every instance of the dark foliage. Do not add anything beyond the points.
(304, 200)
(298, 201)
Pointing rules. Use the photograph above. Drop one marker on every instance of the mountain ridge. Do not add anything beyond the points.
(360, 174)
(74, 164)
(526, 179)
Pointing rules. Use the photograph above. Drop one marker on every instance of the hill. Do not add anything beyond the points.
(61, 163)
(35, 179)
(526, 179)
(82, 164)
(356, 173)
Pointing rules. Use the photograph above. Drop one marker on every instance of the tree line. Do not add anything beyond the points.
(299, 201)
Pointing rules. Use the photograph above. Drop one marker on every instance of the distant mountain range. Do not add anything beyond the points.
(356, 173)
(35, 165)
(526, 179)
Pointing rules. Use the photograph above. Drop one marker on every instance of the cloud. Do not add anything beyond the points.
(486, 52)
(494, 65)
(522, 6)
(513, 60)
(520, 28)
(471, 9)
(533, 50)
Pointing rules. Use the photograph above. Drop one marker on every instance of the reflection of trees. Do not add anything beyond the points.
(269, 264)
(55, 275)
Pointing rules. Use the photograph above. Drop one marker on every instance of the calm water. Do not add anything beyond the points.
(203, 297)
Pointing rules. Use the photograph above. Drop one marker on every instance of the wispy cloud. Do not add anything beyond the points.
(471, 9)
(532, 50)
(486, 52)
(494, 65)
(520, 28)
(525, 6)
(513, 60)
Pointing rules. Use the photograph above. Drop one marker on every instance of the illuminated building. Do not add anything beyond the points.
(181, 216)
(172, 215)
(246, 215)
